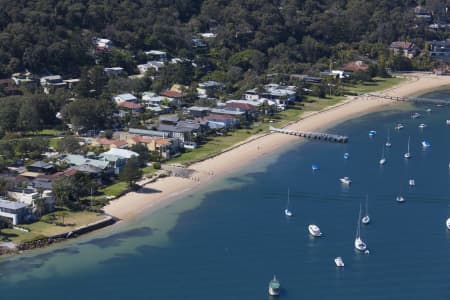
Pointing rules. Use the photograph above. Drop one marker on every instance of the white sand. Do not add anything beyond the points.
(253, 149)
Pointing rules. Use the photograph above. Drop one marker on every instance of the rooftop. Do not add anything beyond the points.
(122, 153)
(12, 204)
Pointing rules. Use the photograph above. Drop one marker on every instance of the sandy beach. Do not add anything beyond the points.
(163, 190)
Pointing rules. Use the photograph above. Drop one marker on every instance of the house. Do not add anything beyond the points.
(423, 14)
(207, 35)
(183, 130)
(24, 79)
(198, 43)
(164, 146)
(30, 194)
(226, 112)
(157, 55)
(114, 71)
(176, 97)
(102, 44)
(407, 49)
(168, 120)
(281, 95)
(14, 211)
(134, 108)
(41, 167)
(108, 144)
(198, 111)
(156, 65)
(9, 87)
(355, 66)
(77, 160)
(49, 83)
(154, 102)
(440, 50)
(117, 158)
(127, 97)
(71, 83)
(207, 88)
(218, 121)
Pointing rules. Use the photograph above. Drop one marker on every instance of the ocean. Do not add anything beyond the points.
(229, 239)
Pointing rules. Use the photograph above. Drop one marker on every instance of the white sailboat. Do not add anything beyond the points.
(388, 141)
(366, 218)
(448, 223)
(359, 243)
(383, 159)
(288, 212)
(407, 155)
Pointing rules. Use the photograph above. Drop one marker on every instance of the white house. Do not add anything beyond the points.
(208, 86)
(127, 97)
(15, 211)
(29, 195)
(150, 65)
(114, 71)
(157, 55)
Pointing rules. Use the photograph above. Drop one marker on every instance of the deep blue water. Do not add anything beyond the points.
(229, 240)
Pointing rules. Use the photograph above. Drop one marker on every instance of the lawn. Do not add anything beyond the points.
(218, 144)
(115, 189)
(41, 229)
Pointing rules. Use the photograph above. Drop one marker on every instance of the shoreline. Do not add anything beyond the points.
(155, 195)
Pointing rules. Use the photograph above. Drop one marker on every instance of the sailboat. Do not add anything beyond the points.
(407, 155)
(400, 198)
(388, 142)
(274, 287)
(366, 218)
(448, 222)
(383, 159)
(287, 212)
(359, 244)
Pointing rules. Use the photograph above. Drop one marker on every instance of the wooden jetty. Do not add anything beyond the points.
(412, 99)
(328, 137)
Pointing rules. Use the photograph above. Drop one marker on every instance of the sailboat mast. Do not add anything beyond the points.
(358, 228)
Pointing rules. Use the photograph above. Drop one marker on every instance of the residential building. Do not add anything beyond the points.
(207, 88)
(127, 97)
(440, 49)
(157, 55)
(108, 143)
(30, 194)
(407, 49)
(25, 79)
(176, 97)
(14, 211)
(134, 108)
(114, 71)
(182, 130)
(41, 167)
(198, 111)
(118, 158)
(164, 146)
(102, 44)
(355, 66)
(156, 65)
(49, 83)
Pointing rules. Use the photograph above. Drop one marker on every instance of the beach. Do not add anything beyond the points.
(164, 190)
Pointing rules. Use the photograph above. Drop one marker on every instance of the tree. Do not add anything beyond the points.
(131, 172)
(144, 154)
(68, 144)
(39, 207)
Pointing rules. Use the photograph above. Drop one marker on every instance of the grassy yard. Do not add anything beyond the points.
(41, 229)
(115, 189)
(217, 144)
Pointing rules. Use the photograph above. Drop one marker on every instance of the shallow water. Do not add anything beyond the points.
(227, 241)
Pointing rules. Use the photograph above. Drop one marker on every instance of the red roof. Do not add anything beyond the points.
(129, 105)
(354, 66)
(402, 45)
(219, 117)
(111, 142)
(244, 106)
(171, 94)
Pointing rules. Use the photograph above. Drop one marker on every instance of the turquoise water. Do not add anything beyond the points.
(227, 241)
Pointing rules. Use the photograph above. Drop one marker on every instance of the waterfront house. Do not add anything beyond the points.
(117, 157)
(166, 147)
(440, 50)
(108, 143)
(30, 194)
(15, 212)
(407, 49)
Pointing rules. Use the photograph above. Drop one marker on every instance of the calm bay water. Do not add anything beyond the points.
(227, 241)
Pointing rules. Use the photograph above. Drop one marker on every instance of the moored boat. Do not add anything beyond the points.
(366, 219)
(359, 243)
(315, 167)
(412, 182)
(448, 223)
(314, 230)
(400, 199)
(346, 155)
(426, 144)
(408, 155)
(274, 287)
(372, 132)
(415, 115)
(339, 262)
(287, 211)
(448, 122)
(422, 125)
(345, 180)
(399, 126)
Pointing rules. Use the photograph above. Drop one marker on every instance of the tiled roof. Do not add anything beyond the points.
(354, 66)
(117, 143)
(171, 94)
(129, 105)
(402, 45)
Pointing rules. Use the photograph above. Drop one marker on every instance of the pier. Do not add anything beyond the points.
(412, 99)
(328, 137)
